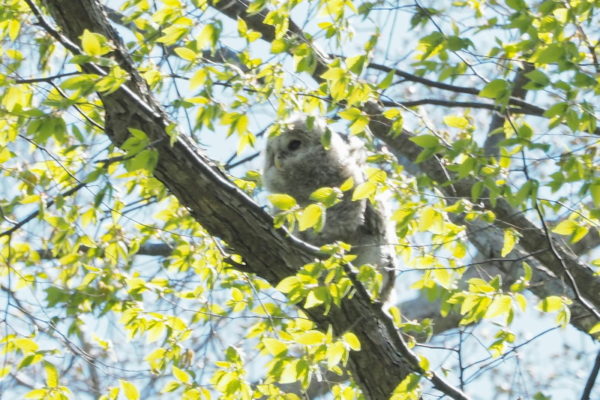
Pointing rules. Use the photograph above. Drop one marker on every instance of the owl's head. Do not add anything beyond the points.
(297, 161)
(298, 137)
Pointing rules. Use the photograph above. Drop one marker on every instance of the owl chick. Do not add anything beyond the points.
(297, 164)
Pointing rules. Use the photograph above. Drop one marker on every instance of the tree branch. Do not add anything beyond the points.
(461, 104)
(525, 107)
(589, 385)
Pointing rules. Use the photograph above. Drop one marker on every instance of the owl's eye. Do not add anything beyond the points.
(294, 145)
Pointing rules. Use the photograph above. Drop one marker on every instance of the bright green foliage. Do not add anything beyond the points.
(89, 309)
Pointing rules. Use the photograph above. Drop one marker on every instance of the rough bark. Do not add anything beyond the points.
(225, 211)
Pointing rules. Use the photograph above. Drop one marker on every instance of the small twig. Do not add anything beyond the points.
(461, 367)
(242, 161)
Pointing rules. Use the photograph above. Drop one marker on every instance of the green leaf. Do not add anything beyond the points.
(208, 37)
(456, 121)
(429, 218)
(347, 185)
(552, 53)
(351, 340)
(311, 217)
(521, 301)
(274, 346)
(510, 239)
(496, 89)
(426, 141)
(595, 192)
(51, 375)
(326, 195)
(198, 79)
(316, 297)
(145, 159)
(387, 81)
(288, 284)
(444, 277)
(136, 142)
(279, 46)
(516, 4)
(26, 345)
(171, 387)
(185, 53)
(290, 372)
(356, 63)
(130, 391)
(310, 337)
(364, 190)
(550, 304)
(94, 44)
(321, 194)
(566, 227)
(282, 201)
(537, 80)
(181, 375)
(500, 305)
(335, 353)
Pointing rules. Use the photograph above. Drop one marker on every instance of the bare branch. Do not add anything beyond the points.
(589, 385)
(525, 107)
(460, 104)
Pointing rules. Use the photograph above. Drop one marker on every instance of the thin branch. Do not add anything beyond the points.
(49, 203)
(589, 385)
(463, 104)
(67, 193)
(573, 283)
(242, 161)
(424, 81)
(46, 79)
(531, 109)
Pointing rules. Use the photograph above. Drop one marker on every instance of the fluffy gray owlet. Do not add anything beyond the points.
(297, 164)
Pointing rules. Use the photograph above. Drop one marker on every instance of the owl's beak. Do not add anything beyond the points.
(277, 162)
